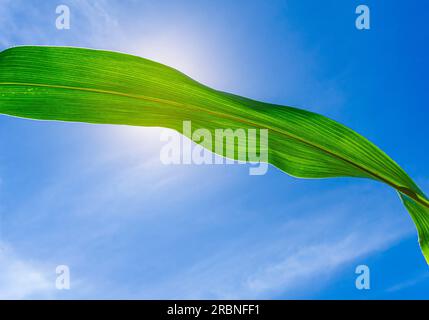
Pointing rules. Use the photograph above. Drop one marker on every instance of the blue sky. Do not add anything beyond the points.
(98, 199)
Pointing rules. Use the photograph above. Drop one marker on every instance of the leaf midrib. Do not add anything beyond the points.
(401, 189)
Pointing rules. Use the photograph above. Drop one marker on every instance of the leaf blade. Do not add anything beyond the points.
(73, 84)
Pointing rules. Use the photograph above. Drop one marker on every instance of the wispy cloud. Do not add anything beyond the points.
(23, 23)
(294, 259)
(21, 278)
(408, 283)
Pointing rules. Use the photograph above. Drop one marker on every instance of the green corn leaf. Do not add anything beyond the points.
(74, 84)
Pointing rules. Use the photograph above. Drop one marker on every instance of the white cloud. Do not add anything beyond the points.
(297, 258)
(408, 283)
(29, 23)
(21, 278)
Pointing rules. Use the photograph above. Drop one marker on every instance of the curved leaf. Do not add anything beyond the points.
(74, 84)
